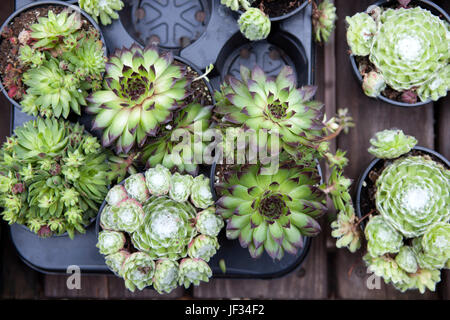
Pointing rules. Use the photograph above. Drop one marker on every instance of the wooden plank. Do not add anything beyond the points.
(371, 116)
(117, 290)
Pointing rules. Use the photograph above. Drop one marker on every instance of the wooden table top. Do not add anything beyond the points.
(328, 273)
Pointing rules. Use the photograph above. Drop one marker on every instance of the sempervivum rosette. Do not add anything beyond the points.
(141, 90)
(53, 176)
(408, 47)
(163, 217)
(271, 212)
(412, 194)
(390, 144)
(259, 102)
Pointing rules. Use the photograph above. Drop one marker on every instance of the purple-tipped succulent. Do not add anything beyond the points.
(271, 212)
(141, 90)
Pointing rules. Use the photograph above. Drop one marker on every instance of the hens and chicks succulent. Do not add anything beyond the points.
(61, 60)
(408, 48)
(408, 236)
(160, 229)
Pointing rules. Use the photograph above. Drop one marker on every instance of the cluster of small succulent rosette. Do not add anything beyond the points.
(407, 50)
(408, 232)
(160, 227)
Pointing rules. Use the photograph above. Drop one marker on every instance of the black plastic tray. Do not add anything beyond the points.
(216, 40)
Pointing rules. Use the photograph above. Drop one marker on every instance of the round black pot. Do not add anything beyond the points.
(43, 4)
(287, 15)
(362, 191)
(436, 10)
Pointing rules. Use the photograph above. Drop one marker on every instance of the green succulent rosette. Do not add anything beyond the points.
(406, 259)
(158, 180)
(381, 237)
(254, 24)
(373, 84)
(436, 240)
(410, 47)
(53, 176)
(192, 271)
(324, 18)
(413, 194)
(167, 228)
(387, 268)
(106, 10)
(107, 221)
(287, 113)
(360, 32)
(140, 92)
(271, 212)
(165, 278)
(116, 194)
(236, 4)
(136, 187)
(180, 187)
(209, 223)
(423, 279)
(391, 144)
(115, 261)
(436, 87)
(201, 195)
(203, 247)
(425, 259)
(110, 242)
(138, 270)
(184, 155)
(345, 229)
(128, 215)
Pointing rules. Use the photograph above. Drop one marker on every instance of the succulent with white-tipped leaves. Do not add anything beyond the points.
(138, 270)
(106, 10)
(203, 247)
(192, 271)
(391, 144)
(110, 242)
(165, 278)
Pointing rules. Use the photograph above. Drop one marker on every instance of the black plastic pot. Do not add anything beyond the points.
(287, 15)
(41, 4)
(436, 10)
(364, 181)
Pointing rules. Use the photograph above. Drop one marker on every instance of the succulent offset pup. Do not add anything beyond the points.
(106, 10)
(323, 20)
(159, 212)
(53, 176)
(271, 212)
(141, 90)
(408, 48)
(408, 235)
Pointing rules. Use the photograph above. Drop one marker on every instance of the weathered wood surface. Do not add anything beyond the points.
(327, 272)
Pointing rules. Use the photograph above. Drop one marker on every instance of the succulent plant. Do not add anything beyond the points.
(271, 212)
(208, 222)
(167, 228)
(201, 195)
(407, 46)
(373, 84)
(406, 259)
(424, 259)
(254, 24)
(141, 90)
(436, 241)
(138, 270)
(50, 31)
(412, 194)
(360, 32)
(391, 144)
(165, 278)
(127, 216)
(423, 279)
(193, 271)
(345, 229)
(158, 180)
(106, 10)
(135, 186)
(258, 102)
(180, 187)
(30, 56)
(203, 247)
(52, 91)
(236, 4)
(323, 20)
(110, 242)
(168, 151)
(387, 268)
(53, 177)
(115, 261)
(381, 237)
(163, 224)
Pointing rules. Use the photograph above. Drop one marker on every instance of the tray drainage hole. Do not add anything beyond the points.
(176, 23)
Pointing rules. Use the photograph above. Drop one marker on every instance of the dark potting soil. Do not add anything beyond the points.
(368, 192)
(277, 8)
(11, 68)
